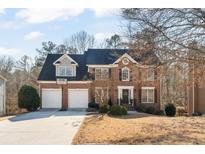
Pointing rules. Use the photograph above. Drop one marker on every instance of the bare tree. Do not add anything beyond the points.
(25, 63)
(79, 42)
(176, 29)
(177, 37)
(6, 65)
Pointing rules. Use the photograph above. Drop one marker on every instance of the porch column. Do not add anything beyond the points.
(131, 94)
(119, 90)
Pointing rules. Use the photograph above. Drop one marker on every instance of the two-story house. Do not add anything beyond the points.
(74, 80)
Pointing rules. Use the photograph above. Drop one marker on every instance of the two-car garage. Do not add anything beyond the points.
(52, 98)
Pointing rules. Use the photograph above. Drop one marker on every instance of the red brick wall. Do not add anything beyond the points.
(113, 83)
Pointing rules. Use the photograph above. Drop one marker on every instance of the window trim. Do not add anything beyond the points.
(66, 75)
(101, 70)
(123, 69)
(148, 88)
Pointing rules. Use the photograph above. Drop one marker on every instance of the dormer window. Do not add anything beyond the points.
(125, 74)
(66, 71)
(65, 66)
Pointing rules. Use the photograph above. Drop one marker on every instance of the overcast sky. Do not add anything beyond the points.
(23, 30)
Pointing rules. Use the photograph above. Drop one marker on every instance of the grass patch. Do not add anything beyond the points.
(141, 129)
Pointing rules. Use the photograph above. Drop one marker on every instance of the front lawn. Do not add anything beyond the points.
(141, 129)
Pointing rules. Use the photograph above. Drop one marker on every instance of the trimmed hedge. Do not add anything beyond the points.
(28, 98)
(170, 110)
(124, 110)
(150, 110)
(118, 110)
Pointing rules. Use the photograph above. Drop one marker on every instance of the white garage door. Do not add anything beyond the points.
(78, 98)
(51, 98)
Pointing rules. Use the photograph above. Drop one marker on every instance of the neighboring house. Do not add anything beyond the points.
(74, 80)
(2, 95)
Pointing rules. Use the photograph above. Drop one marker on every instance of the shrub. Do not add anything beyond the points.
(140, 108)
(170, 110)
(118, 110)
(159, 112)
(91, 110)
(181, 111)
(93, 105)
(150, 110)
(196, 114)
(110, 102)
(28, 98)
(124, 110)
(103, 108)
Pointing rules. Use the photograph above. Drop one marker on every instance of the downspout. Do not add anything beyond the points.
(39, 90)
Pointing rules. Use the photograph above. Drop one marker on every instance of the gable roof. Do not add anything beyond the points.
(103, 56)
(91, 57)
(123, 56)
(48, 72)
(109, 56)
(62, 57)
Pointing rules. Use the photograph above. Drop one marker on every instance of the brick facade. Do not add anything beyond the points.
(112, 83)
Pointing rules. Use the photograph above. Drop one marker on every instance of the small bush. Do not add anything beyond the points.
(124, 110)
(170, 110)
(28, 98)
(93, 105)
(181, 111)
(150, 110)
(197, 114)
(91, 110)
(103, 108)
(140, 108)
(118, 110)
(159, 112)
(110, 102)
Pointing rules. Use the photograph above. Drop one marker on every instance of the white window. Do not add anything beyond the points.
(125, 74)
(101, 73)
(147, 95)
(66, 71)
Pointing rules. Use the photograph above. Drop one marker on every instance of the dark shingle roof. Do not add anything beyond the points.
(48, 72)
(92, 57)
(103, 56)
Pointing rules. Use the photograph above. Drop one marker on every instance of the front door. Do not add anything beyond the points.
(125, 96)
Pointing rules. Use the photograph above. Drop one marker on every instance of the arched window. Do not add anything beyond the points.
(125, 74)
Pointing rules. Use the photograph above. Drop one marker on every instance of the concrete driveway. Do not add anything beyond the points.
(42, 127)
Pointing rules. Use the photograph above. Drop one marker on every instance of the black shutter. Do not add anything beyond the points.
(130, 75)
(140, 95)
(155, 95)
(93, 76)
(110, 72)
(120, 74)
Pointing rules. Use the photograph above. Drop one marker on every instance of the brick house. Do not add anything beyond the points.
(74, 80)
